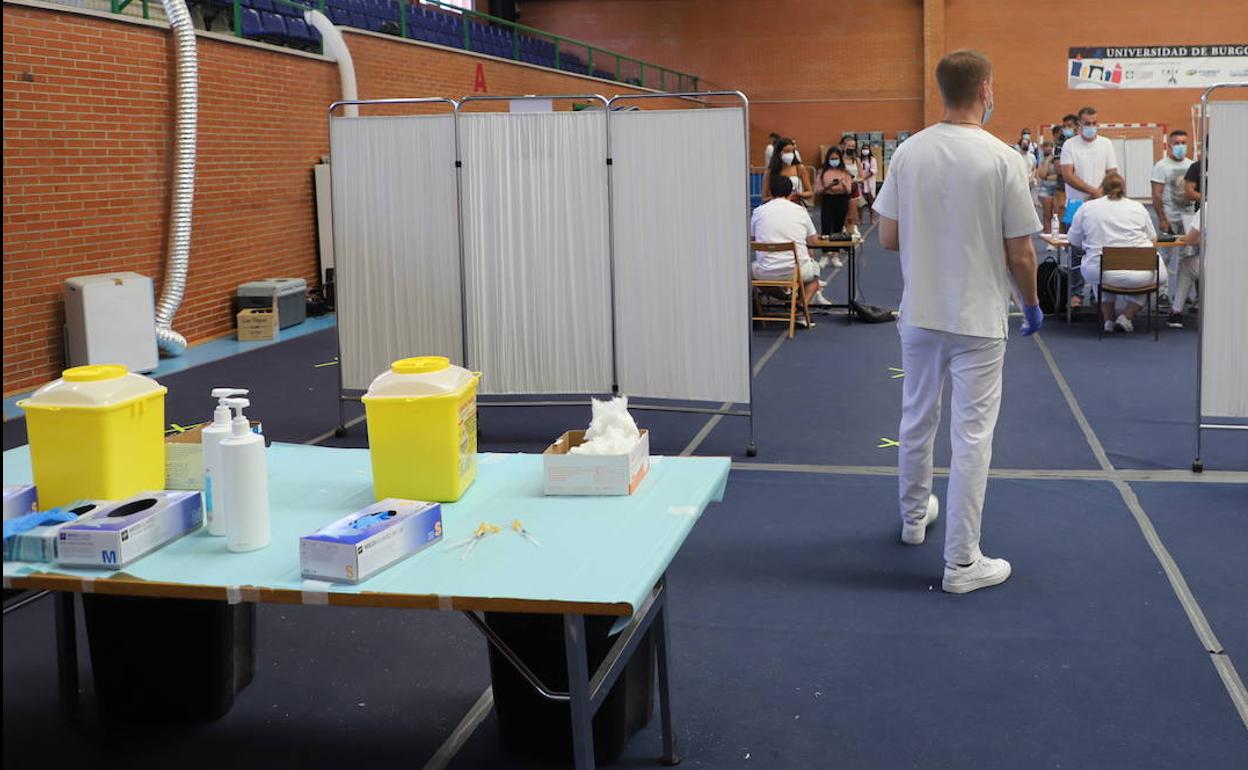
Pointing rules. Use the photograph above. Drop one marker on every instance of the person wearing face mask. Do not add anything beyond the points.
(957, 205)
(849, 153)
(834, 184)
(784, 162)
(868, 170)
(1027, 144)
(1086, 160)
(1172, 206)
(1046, 174)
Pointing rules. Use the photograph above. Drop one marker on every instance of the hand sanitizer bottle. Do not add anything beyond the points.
(214, 508)
(245, 486)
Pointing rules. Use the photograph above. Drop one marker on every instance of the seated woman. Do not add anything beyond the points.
(1115, 220)
(835, 184)
(784, 163)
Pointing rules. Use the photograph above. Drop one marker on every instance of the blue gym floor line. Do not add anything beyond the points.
(213, 350)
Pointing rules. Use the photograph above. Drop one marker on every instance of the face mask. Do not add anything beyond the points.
(988, 114)
(1088, 132)
(787, 157)
(1180, 151)
(834, 163)
(1026, 134)
(1068, 132)
(866, 153)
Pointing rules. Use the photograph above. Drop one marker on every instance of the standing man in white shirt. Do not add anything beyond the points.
(958, 207)
(1086, 160)
(1172, 207)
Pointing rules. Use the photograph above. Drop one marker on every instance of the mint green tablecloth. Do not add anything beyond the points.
(601, 550)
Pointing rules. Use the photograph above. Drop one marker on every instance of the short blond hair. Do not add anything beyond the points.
(959, 74)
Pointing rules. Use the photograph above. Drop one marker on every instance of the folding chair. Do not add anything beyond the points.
(793, 284)
(1131, 258)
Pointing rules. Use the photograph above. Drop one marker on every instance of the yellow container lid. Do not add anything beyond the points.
(93, 387)
(420, 365)
(420, 376)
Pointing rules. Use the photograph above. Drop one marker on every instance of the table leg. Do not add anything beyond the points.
(578, 690)
(853, 258)
(671, 756)
(66, 656)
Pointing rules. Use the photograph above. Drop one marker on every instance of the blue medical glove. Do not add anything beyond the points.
(1033, 319)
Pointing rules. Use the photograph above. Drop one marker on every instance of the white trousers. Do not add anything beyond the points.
(974, 366)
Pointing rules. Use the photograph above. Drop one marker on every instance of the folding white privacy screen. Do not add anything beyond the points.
(558, 253)
(1222, 378)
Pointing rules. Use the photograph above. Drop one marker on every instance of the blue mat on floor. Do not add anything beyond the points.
(828, 397)
(1205, 527)
(805, 635)
(1140, 396)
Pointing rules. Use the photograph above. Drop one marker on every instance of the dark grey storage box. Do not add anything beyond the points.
(289, 294)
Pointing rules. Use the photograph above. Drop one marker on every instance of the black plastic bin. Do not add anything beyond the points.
(168, 661)
(529, 724)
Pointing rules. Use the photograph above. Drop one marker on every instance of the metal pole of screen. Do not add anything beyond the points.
(1198, 465)
(341, 429)
(751, 449)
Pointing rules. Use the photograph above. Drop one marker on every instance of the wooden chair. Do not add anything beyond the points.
(793, 284)
(1131, 258)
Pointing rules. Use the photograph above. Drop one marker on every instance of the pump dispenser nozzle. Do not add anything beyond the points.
(221, 415)
(239, 425)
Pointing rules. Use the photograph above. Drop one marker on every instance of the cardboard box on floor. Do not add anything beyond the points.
(577, 474)
(257, 323)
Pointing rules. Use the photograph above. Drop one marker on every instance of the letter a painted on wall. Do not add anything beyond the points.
(478, 82)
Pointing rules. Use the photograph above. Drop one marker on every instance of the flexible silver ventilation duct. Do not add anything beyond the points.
(183, 193)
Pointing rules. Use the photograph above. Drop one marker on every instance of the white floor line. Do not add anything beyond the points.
(1170, 476)
(1195, 615)
(328, 433)
(462, 732)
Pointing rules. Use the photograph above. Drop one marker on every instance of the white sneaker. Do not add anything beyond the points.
(822, 262)
(802, 323)
(915, 534)
(1124, 324)
(983, 573)
(854, 231)
(838, 263)
(1050, 248)
(820, 300)
(1109, 327)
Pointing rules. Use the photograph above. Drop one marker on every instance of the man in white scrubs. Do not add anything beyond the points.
(1085, 161)
(958, 207)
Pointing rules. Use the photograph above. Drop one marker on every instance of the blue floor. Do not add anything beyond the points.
(804, 635)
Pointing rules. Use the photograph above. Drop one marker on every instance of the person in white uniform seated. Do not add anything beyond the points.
(1115, 220)
(780, 220)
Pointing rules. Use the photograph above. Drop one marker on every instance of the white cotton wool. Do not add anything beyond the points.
(611, 429)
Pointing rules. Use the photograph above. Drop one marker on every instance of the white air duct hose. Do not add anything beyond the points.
(336, 49)
(185, 111)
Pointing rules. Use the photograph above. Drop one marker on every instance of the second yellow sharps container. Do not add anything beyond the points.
(422, 430)
(97, 433)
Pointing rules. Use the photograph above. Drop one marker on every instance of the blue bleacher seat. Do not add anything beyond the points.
(261, 5)
(339, 16)
(297, 30)
(251, 23)
(286, 9)
(272, 24)
(359, 20)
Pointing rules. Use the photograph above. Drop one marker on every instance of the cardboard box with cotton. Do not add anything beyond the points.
(610, 458)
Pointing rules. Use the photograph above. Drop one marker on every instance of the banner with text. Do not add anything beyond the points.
(1176, 66)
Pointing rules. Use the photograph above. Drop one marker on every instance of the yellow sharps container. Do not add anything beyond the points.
(422, 429)
(97, 433)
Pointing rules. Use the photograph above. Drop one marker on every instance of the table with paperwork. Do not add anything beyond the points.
(598, 556)
(851, 246)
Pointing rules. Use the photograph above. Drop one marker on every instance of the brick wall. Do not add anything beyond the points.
(813, 68)
(87, 140)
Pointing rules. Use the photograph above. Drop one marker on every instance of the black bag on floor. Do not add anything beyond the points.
(872, 314)
(532, 726)
(1051, 286)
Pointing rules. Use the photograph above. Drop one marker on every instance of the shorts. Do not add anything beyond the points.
(1048, 189)
(807, 268)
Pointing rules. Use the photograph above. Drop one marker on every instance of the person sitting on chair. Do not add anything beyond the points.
(1115, 220)
(780, 220)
